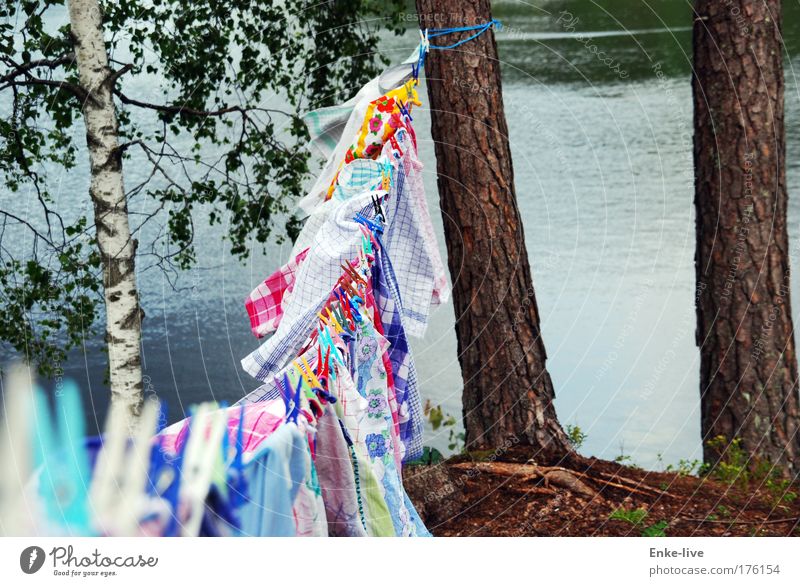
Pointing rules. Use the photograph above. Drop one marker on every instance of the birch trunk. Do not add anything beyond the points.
(118, 250)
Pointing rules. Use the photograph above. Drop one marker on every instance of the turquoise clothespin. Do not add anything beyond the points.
(61, 454)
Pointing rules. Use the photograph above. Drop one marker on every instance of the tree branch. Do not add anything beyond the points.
(75, 90)
(191, 111)
(24, 68)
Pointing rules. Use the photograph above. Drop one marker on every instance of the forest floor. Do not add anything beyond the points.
(478, 494)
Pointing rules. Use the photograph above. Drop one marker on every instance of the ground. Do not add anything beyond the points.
(478, 495)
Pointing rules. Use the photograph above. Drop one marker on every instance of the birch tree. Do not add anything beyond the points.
(113, 234)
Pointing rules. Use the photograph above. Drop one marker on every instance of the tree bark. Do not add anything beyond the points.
(118, 250)
(748, 365)
(508, 394)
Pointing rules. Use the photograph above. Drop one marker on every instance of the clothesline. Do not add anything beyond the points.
(318, 448)
(427, 34)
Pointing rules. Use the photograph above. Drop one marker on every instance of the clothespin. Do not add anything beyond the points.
(334, 322)
(323, 364)
(203, 451)
(165, 483)
(351, 290)
(353, 273)
(339, 315)
(312, 379)
(386, 185)
(344, 309)
(303, 375)
(325, 339)
(405, 111)
(424, 47)
(236, 470)
(374, 226)
(120, 475)
(15, 454)
(291, 399)
(376, 202)
(71, 433)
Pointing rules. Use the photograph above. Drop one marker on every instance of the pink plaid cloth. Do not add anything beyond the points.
(265, 304)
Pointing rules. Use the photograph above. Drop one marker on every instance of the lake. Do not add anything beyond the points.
(598, 101)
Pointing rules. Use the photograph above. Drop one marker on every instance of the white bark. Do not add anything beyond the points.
(123, 323)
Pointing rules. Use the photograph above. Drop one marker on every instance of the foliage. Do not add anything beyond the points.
(192, 81)
(684, 467)
(633, 516)
(736, 467)
(576, 436)
(636, 518)
(437, 418)
(731, 467)
(429, 457)
(623, 458)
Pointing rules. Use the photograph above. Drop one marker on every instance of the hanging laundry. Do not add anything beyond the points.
(265, 304)
(332, 129)
(383, 117)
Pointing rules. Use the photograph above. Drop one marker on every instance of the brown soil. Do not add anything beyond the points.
(473, 495)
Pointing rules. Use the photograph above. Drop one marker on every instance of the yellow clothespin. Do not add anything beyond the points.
(312, 378)
(303, 374)
(334, 322)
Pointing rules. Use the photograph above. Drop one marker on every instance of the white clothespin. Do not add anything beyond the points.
(16, 516)
(424, 41)
(203, 451)
(117, 493)
(134, 490)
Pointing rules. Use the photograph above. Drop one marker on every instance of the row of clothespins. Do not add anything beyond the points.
(341, 314)
(56, 481)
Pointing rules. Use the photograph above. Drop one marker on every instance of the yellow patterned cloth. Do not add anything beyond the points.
(381, 120)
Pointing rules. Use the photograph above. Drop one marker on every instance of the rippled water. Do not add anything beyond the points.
(602, 156)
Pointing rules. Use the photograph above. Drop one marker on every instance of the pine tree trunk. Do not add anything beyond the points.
(508, 394)
(123, 314)
(748, 366)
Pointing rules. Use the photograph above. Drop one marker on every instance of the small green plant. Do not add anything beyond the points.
(779, 489)
(624, 458)
(731, 468)
(576, 436)
(440, 419)
(636, 518)
(684, 467)
(736, 466)
(655, 530)
(633, 516)
(724, 511)
(429, 457)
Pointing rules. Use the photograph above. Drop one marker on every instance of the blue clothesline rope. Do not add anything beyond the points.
(439, 32)
(480, 28)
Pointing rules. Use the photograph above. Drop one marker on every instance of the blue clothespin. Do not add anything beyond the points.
(292, 398)
(236, 479)
(375, 227)
(326, 342)
(60, 451)
(405, 111)
(165, 480)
